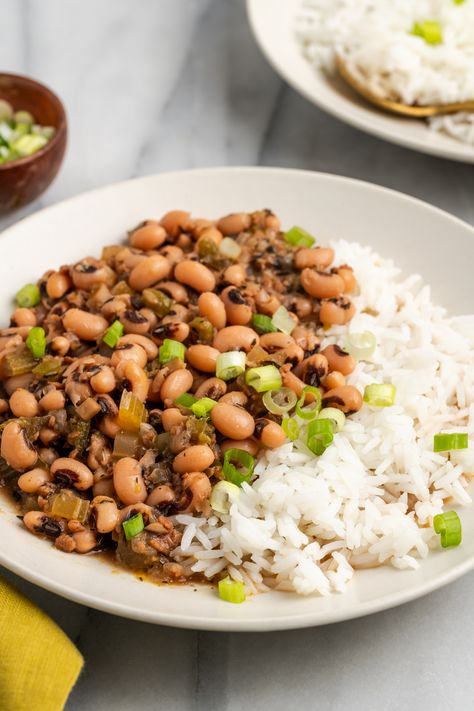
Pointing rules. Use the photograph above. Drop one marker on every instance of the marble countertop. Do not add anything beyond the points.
(153, 86)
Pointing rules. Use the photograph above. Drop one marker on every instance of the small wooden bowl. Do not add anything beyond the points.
(23, 180)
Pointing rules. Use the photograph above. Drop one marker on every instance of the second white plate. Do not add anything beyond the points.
(273, 26)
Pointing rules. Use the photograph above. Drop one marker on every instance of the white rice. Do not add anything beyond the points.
(375, 39)
(306, 522)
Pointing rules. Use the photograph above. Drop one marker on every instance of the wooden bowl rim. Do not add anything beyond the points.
(60, 130)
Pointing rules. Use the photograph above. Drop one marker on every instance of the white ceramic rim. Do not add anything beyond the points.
(284, 55)
(228, 622)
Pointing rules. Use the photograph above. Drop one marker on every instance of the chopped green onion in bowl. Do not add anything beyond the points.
(263, 324)
(448, 525)
(36, 341)
(20, 135)
(223, 495)
(336, 416)
(230, 365)
(229, 248)
(298, 237)
(238, 466)
(291, 428)
(278, 402)
(320, 435)
(380, 394)
(186, 400)
(28, 296)
(311, 411)
(263, 378)
(282, 321)
(447, 442)
(133, 526)
(361, 345)
(113, 334)
(231, 590)
(429, 30)
(202, 407)
(170, 350)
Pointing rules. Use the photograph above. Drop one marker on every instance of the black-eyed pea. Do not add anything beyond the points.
(313, 369)
(335, 379)
(148, 272)
(60, 345)
(202, 357)
(171, 417)
(87, 326)
(238, 310)
(135, 322)
(176, 221)
(128, 351)
(196, 458)
(105, 513)
(178, 312)
(290, 380)
(195, 275)
(321, 285)
(211, 234)
(161, 494)
(149, 236)
(103, 487)
(43, 525)
(235, 338)
(247, 445)
(269, 433)
(177, 383)
(70, 471)
(90, 273)
(336, 312)
(16, 447)
(235, 274)
(200, 487)
(3, 406)
(109, 426)
(47, 436)
(313, 257)
(151, 317)
(266, 304)
(128, 481)
(346, 398)
(31, 481)
(338, 359)
(136, 377)
(85, 541)
(214, 388)
(212, 308)
(235, 397)
(175, 290)
(235, 223)
(347, 274)
(172, 253)
(18, 381)
(176, 330)
(272, 342)
(232, 421)
(58, 284)
(23, 403)
(136, 339)
(24, 317)
(104, 380)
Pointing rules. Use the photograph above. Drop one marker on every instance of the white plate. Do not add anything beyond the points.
(421, 237)
(273, 22)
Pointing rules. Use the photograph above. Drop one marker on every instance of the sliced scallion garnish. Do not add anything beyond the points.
(279, 401)
(320, 435)
(223, 495)
(336, 416)
(28, 296)
(36, 341)
(231, 590)
(185, 400)
(429, 30)
(282, 320)
(446, 442)
(263, 378)
(113, 334)
(291, 428)
(448, 524)
(263, 324)
(312, 410)
(230, 365)
(361, 345)
(169, 350)
(133, 526)
(202, 407)
(380, 394)
(238, 466)
(299, 237)
(229, 248)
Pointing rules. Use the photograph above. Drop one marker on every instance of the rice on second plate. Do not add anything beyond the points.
(379, 47)
(307, 522)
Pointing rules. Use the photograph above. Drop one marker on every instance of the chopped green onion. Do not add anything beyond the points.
(266, 377)
(223, 496)
(28, 144)
(282, 320)
(23, 117)
(113, 334)
(185, 400)
(263, 324)
(229, 248)
(458, 2)
(379, 394)
(299, 237)
(336, 416)
(169, 350)
(291, 428)
(446, 442)
(361, 345)
(28, 296)
(320, 435)
(202, 407)
(231, 590)
(279, 401)
(430, 31)
(133, 526)
(448, 524)
(238, 466)
(36, 341)
(310, 412)
(230, 365)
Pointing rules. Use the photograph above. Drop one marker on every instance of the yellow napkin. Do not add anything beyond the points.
(39, 665)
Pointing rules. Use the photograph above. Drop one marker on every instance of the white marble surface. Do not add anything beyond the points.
(152, 85)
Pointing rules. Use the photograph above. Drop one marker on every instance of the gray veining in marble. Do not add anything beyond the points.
(153, 85)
